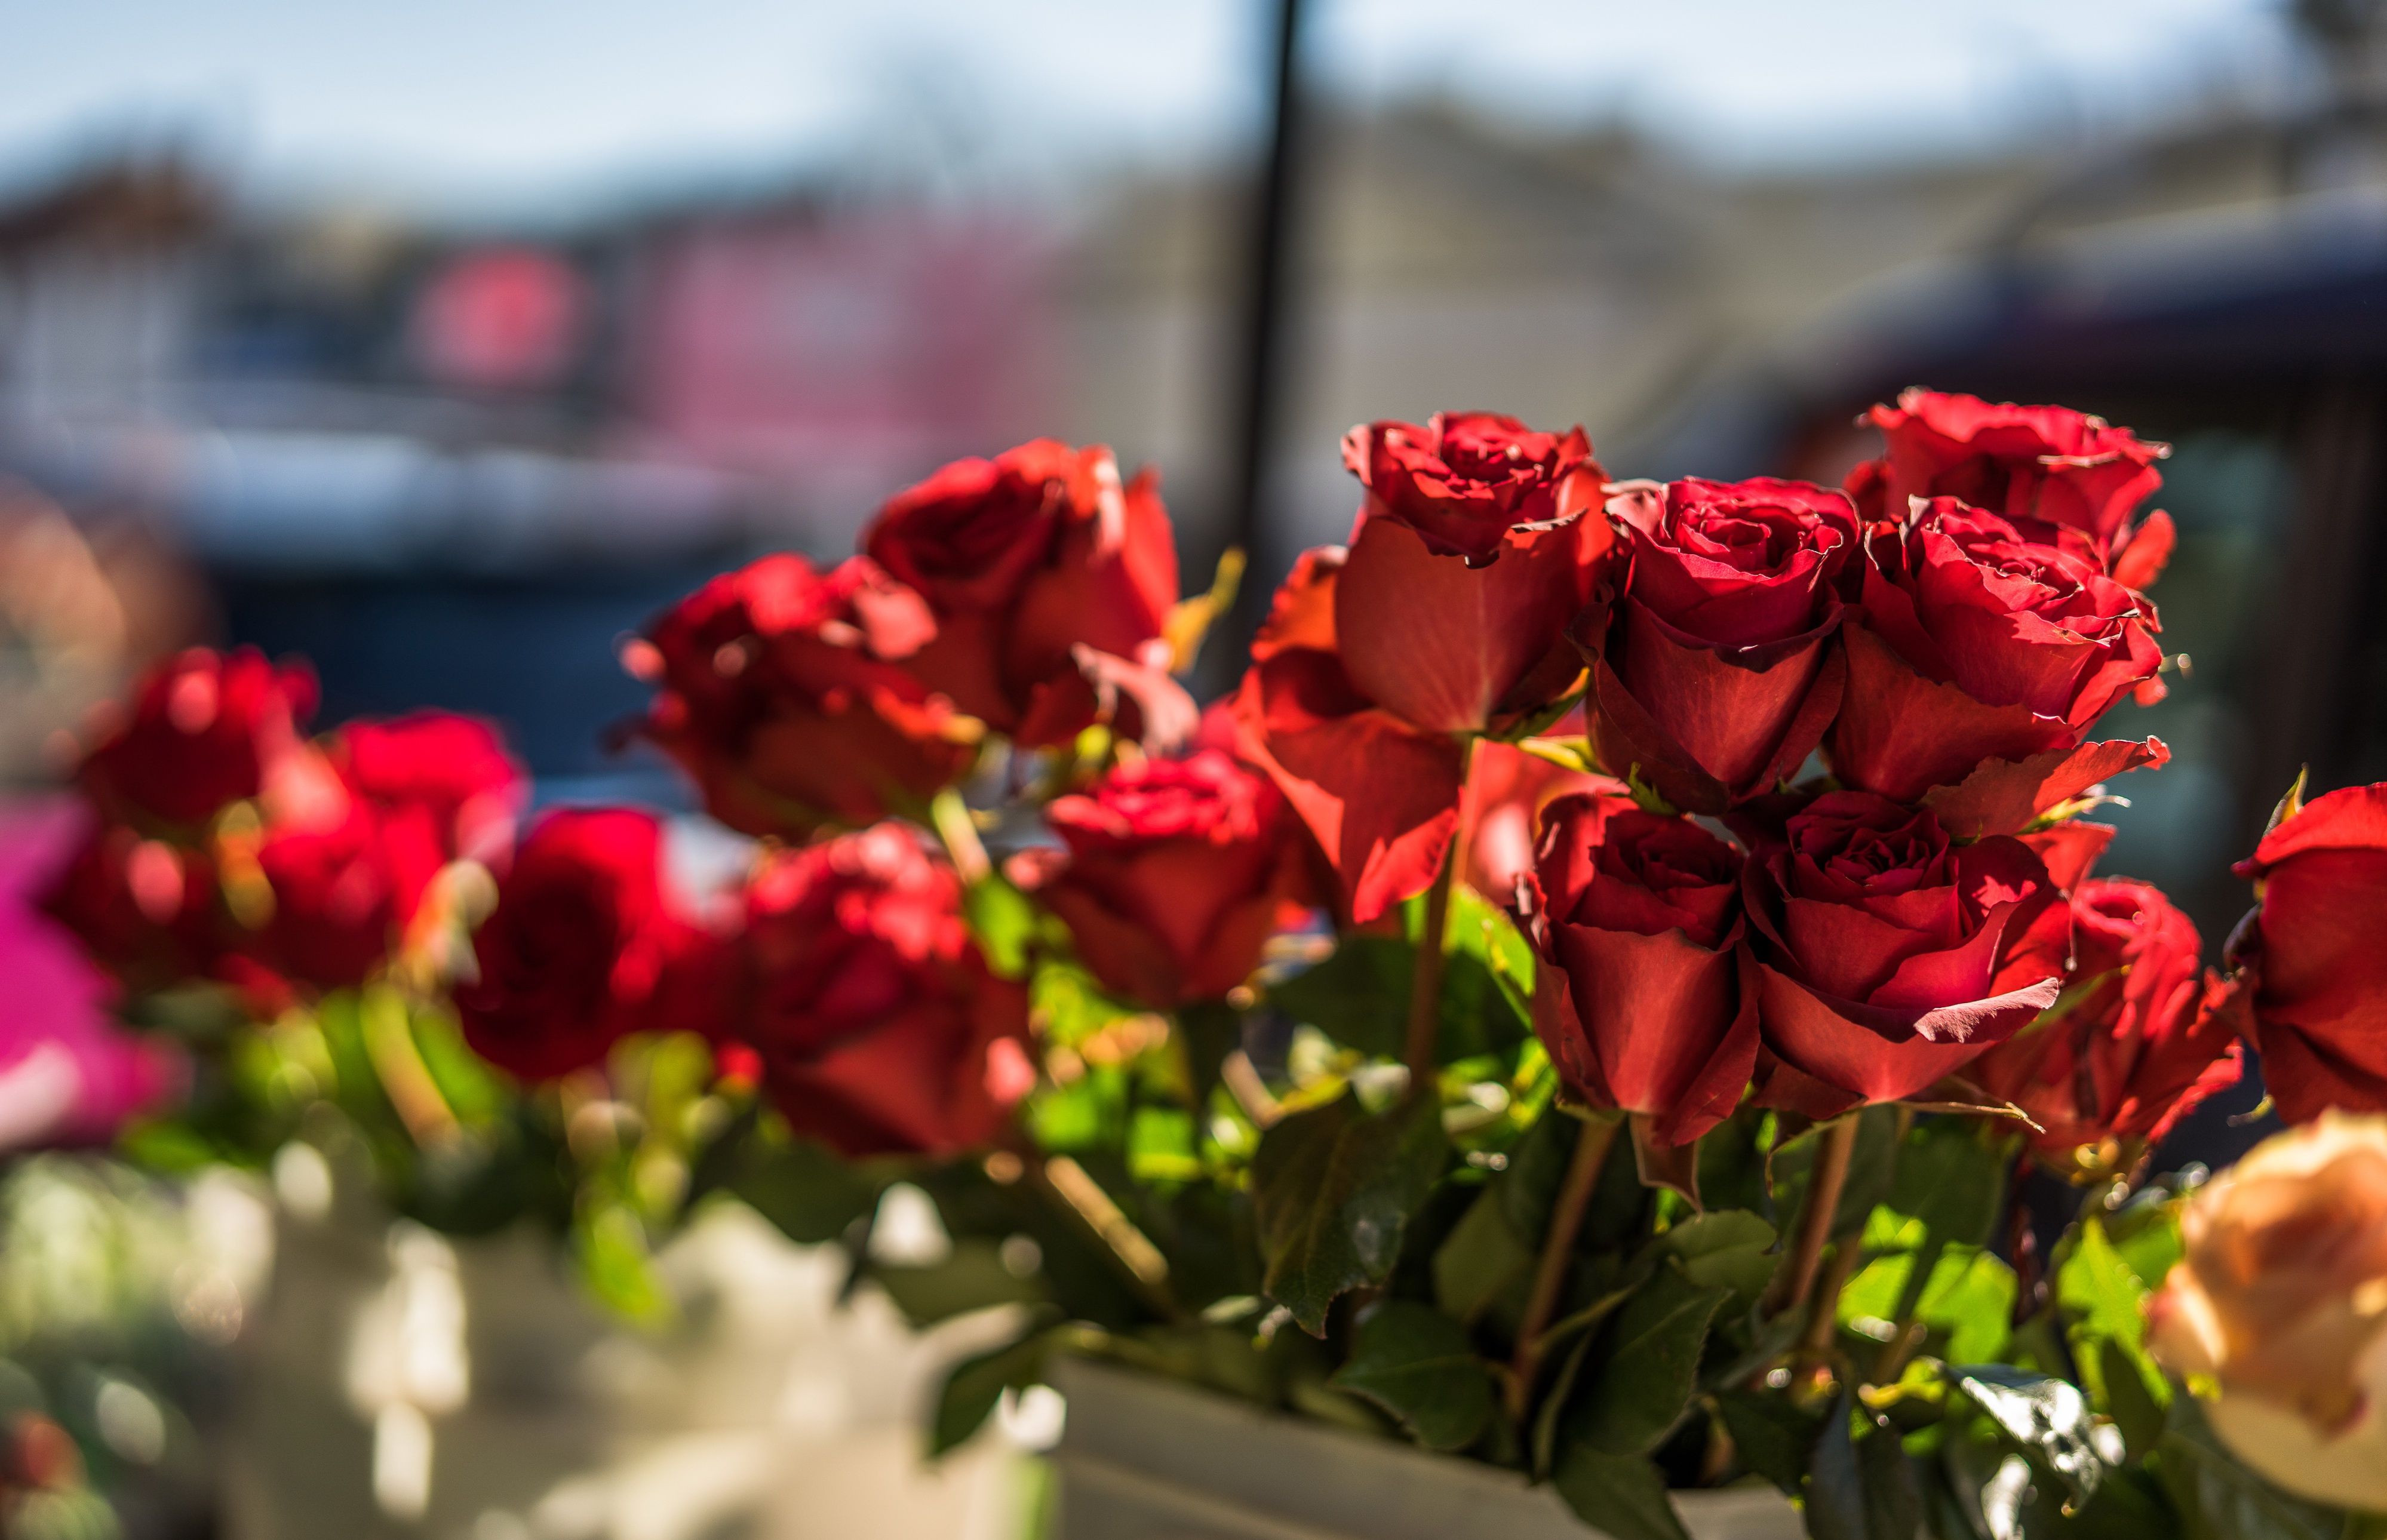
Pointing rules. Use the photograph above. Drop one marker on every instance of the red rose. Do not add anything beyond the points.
(1655, 1008)
(1380, 797)
(786, 695)
(456, 767)
(2139, 1043)
(2047, 463)
(1478, 541)
(1889, 958)
(203, 729)
(1713, 675)
(1986, 653)
(343, 893)
(2315, 954)
(1500, 817)
(1177, 872)
(145, 910)
(1037, 564)
(881, 1028)
(584, 947)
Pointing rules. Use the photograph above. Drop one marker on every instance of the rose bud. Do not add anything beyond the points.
(2048, 464)
(1038, 565)
(1649, 1004)
(1986, 653)
(1713, 674)
(787, 695)
(1887, 956)
(202, 731)
(2313, 955)
(2281, 1301)
(1176, 873)
(585, 946)
(881, 1028)
(1478, 540)
(456, 767)
(1380, 797)
(2137, 1040)
(1501, 819)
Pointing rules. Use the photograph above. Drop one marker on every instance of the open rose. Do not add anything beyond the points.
(1478, 540)
(456, 768)
(2139, 1041)
(880, 1028)
(1887, 956)
(2281, 1301)
(585, 946)
(337, 898)
(1713, 673)
(785, 694)
(2315, 954)
(1380, 796)
(1651, 1003)
(1986, 651)
(2048, 464)
(1177, 872)
(1500, 817)
(1039, 566)
(145, 911)
(203, 729)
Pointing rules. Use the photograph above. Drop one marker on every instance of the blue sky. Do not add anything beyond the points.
(460, 98)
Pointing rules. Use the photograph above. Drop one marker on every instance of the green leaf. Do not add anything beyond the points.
(1361, 996)
(1650, 1367)
(2219, 1498)
(1622, 1495)
(2103, 1300)
(1332, 1190)
(1210, 1030)
(2045, 1417)
(1003, 921)
(804, 1189)
(976, 1383)
(1480, 1259)
(617, 1266)
(1967, 1301)
(2134, 1408)
(1861, 1489)
(1724, 1248)
(1775, 1439)
(972, 1278)
(1417, 1364)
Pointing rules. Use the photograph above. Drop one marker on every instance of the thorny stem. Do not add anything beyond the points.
(1796, 1277)
(1425, 984)
(1557, 1248)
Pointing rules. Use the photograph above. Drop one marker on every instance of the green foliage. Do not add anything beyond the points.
(1005, 923)
(1622, 1495)
(2104, 1299)
(971, 1277)
(1418, 1363)
(1649, 1365)
(975, 1385)
(616, 1264)
(1861, 1488)
(1335, 1189)
(801, 1187)
(1480, 1260)
(1361, 996)
(2046, 1418)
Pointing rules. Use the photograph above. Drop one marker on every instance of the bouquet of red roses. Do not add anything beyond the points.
(1285, 1046)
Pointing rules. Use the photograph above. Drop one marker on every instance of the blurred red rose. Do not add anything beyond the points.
(1478, 541)
(342, 893)
(1038, 563)
(1887, 956)
(201, 732)
(584, 947)
(1177, 871)
(1380, 797)
(144, 910)
(881, 1028)
(785, 694)
(455, 767)
(1651, 1003)
(2315, 954)
(2048, 464)
(2139, 1043)
(1713, 673)
(1500, 817)
(1986, 651)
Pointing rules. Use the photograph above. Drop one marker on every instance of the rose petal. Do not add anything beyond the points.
(2001, 795)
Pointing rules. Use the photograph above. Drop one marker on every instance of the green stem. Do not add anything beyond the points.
(1835, 1144)
(1425, 983)
(1557, 1248)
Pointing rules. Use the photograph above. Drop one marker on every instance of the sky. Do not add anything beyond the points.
(491, 99)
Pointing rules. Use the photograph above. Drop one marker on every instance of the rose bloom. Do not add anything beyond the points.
(1986, 651)
(1889, 958)
(454, 767)
(1038, 565)
(2281, 1300)
(1477, 541)
(2139, 1042)
(1176, 873)
(201, 732)
(1713, 671)
(585, 946)
(144, 910)
(881, 1028)
(342, 894)
(2315, 954)
(787, 696)
(2049, 463)
(1380, 796)
(1650, 1004)
(1500, 817)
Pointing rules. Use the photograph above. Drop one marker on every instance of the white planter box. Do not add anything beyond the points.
(1146, 1458)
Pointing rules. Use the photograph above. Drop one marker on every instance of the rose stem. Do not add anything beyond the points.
(1425, 983)
(389, 1048)
(1837, 1143)
(1557, 1248)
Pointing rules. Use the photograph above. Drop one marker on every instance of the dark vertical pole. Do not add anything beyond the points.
(1259, 380)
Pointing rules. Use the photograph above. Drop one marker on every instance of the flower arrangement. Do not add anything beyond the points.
(1581, 1004)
